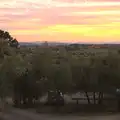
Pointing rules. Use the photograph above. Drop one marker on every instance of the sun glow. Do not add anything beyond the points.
(61, 20)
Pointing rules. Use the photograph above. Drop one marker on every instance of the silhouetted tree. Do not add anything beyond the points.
(7, 37)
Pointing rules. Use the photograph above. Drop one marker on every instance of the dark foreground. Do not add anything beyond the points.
(18, 114)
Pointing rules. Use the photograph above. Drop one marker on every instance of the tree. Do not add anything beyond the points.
(61, 79)
(37, 78)
(85, 76)
(80, 75)
(10, 64)
(107, 71)
(10, 69)
(7, 37)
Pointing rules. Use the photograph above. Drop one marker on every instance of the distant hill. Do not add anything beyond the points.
(71, 44)
(27, 44)
(41, 43)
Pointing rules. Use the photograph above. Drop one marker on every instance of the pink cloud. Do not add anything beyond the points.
(37, 14)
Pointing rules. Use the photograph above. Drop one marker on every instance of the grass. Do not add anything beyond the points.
(74, 108)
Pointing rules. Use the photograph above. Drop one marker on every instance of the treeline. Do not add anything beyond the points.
(27, 76)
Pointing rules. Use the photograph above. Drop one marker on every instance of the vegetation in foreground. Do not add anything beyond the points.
(27, 74)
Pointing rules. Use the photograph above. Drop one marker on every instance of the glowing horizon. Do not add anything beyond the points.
(60, 20)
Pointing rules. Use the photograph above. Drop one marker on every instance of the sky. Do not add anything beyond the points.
(95, 21)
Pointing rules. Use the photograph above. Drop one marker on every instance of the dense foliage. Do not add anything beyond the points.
(29, 73)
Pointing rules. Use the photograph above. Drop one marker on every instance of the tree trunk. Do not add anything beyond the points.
(2, 106)
(30, 101)
(16, 100)
(87, 97)
(94, 98)
(119, 104)
(24, 100)
(100, 98)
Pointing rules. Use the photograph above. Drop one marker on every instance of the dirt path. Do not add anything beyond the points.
(17, 114)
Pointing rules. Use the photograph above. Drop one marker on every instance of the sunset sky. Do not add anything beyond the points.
(61, 20)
